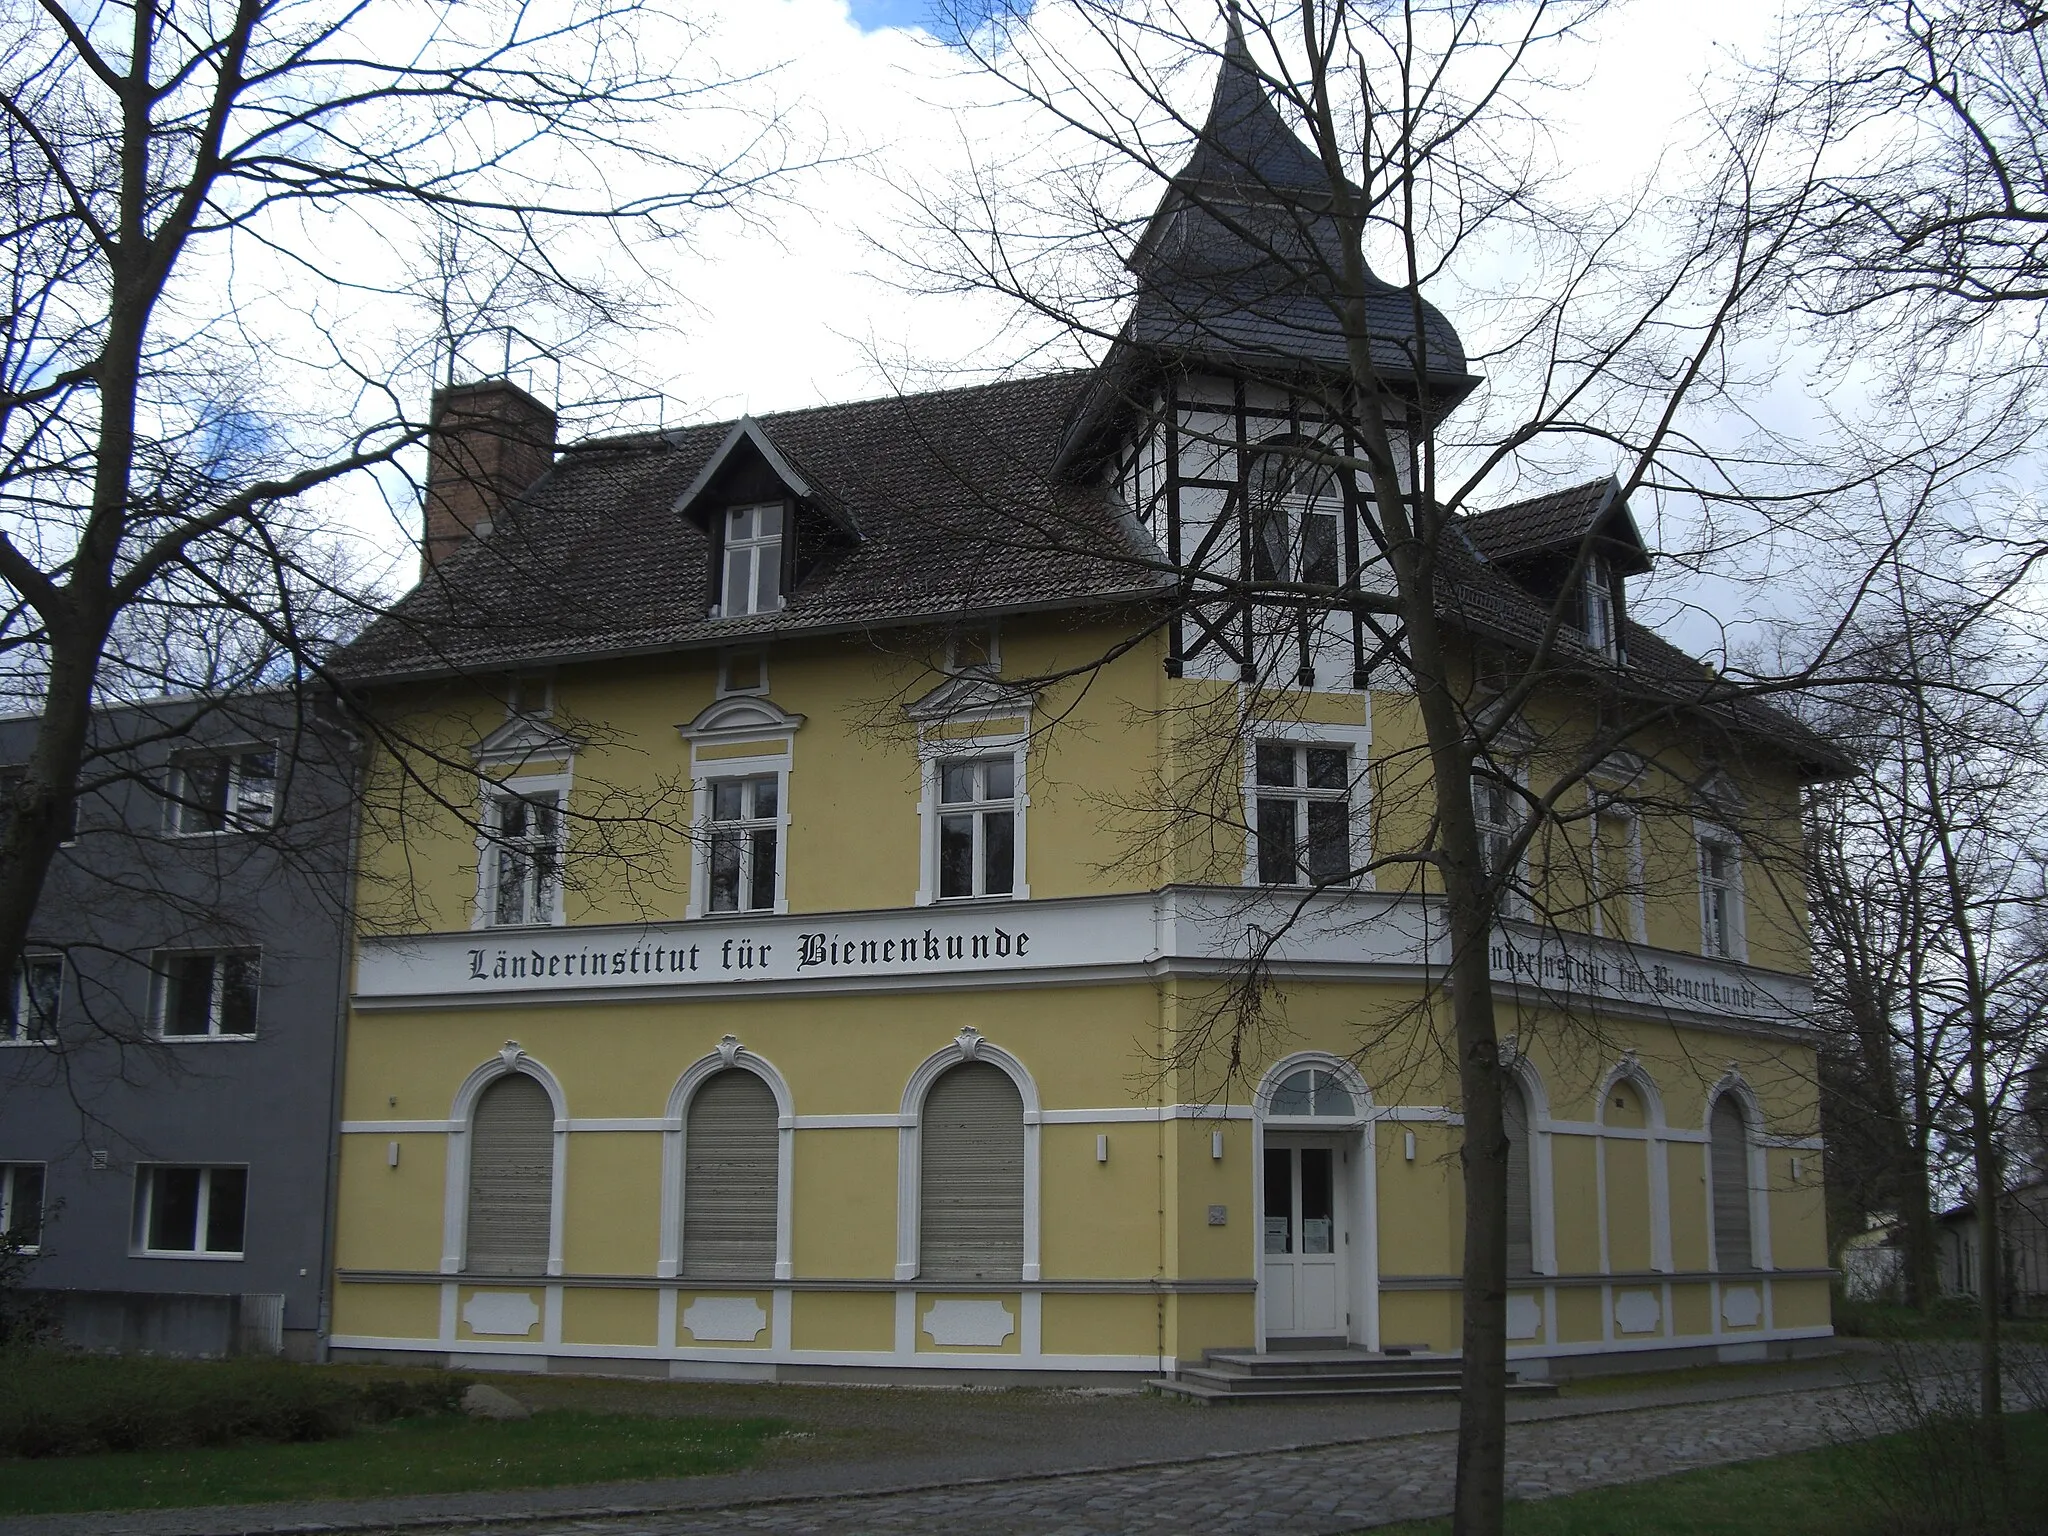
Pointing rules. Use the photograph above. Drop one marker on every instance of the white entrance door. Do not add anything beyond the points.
(1303, 1240)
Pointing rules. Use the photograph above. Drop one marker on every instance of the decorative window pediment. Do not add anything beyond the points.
(973, 696)
(742, 717)
(523, 739)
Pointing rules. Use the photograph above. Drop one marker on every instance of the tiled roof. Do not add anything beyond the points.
(958, 512)
(1555, 522)
(953, 494)
(1481, 598)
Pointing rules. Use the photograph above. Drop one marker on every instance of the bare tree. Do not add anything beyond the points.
(1350, 156)
(208, 211)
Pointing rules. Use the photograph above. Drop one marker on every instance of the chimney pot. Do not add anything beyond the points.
(488, 442)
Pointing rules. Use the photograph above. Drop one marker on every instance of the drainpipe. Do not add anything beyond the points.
(358, 762)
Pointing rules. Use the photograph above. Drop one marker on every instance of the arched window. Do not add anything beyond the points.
(971, 1177)
(1297, 520)
(511, 1178)
(1728, 1133)
(1514, 1112)
(730, 1178)
(1312, 1091)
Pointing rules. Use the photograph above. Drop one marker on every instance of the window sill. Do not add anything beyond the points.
(26, 1044)
(206, 1039)
(185, 1253)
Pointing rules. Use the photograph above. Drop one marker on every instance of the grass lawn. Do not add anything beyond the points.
(1812, 1493)
(442, 1454)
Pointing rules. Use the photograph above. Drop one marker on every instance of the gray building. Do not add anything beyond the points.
(169, 1043)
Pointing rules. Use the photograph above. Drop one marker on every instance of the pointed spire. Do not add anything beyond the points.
(1245, 142)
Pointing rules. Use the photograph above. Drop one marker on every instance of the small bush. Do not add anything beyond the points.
(73, 1405)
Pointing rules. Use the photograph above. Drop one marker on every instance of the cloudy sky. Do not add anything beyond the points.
(797, 312)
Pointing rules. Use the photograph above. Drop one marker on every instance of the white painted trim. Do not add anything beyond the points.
(730, 1055)
(967, 1046)
(455, 1199)
(396, 1127)
(928, 1359)
(619, 1123)
(1542, 1203)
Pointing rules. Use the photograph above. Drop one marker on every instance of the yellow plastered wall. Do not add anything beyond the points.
(611, 1206)
(623, 1317)
(1417, 1206)
(391, 1218)
(388, 1311)
(1686, 1179)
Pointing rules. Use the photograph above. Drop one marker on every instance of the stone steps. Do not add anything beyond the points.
(1243, 1376)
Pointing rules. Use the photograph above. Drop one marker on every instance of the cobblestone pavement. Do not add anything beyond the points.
(1303, 1492)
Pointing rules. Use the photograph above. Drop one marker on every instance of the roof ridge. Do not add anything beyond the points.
(669, 435)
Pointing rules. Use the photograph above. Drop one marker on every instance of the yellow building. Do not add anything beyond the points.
(809, 865)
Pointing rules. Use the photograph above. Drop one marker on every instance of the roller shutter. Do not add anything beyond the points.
(971, 1182)
(1521, 1215)
(1730, 1150)
(511, 1178)
(729, 1179)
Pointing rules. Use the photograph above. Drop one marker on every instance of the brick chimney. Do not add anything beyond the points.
(489, 442)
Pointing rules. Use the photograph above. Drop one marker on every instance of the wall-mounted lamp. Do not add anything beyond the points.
(1408, 1145)
(1102, 1147)
(1216, 1145)
(391, 1154)
(1795, 1170)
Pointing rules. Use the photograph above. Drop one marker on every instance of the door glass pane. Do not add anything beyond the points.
(1279, 1200)
(1318, 1200)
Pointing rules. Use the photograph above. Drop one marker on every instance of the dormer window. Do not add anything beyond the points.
(752, 581)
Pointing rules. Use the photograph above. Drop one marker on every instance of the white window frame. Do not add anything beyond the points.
(1293, 508)
(160, 993)
(932, 751)
(959, 663)
(17, 984)
(1355, 742)
(10, 1192)
(778, 823)
(1513, 779)
(1610, 809)
(145, 1197)
(488, 846)
(520, 689)
(978, 809)
(756, 545)
(1600, 623)
(1708, 834)
(755, 690)
(233, 819)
